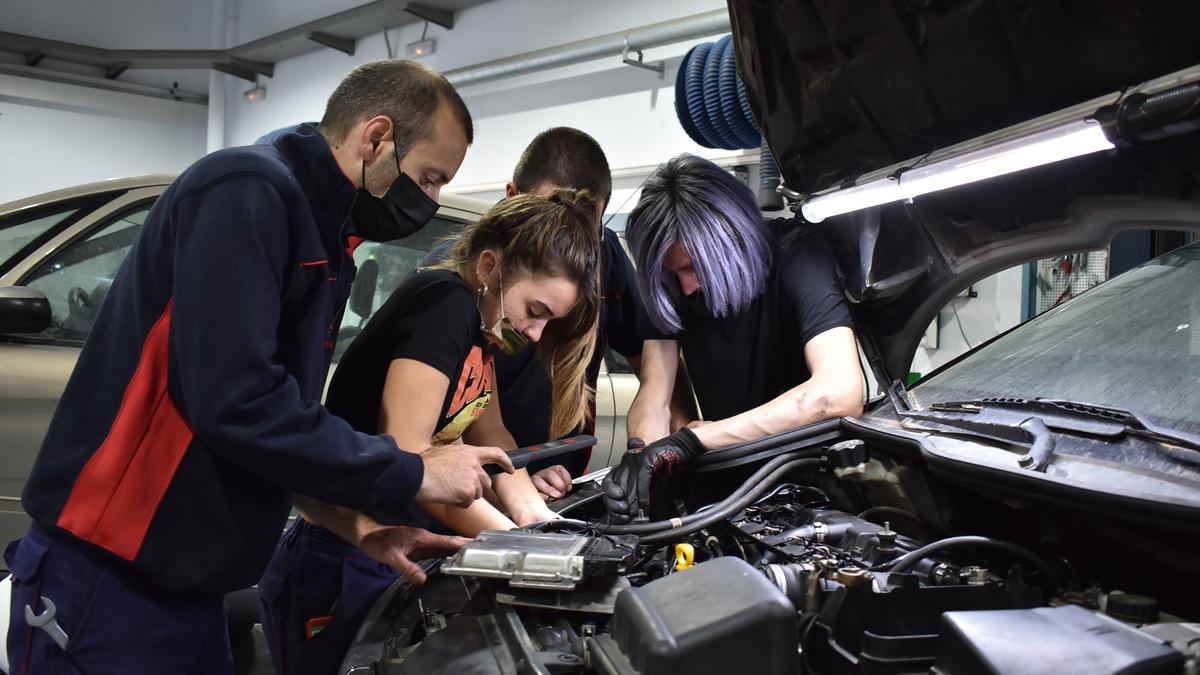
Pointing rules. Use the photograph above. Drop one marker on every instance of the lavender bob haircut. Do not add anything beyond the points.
(714, 216)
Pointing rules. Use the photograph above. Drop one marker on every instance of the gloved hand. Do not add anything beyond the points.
(627, 487)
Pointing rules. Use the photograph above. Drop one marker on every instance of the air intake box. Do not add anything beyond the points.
(1049, 641)
(719, 617)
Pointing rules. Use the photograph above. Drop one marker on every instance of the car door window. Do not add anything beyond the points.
(382, 266)
(76, 279)
(22, 231)
(15, 236)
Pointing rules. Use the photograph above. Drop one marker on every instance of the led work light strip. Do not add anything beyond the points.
(1071, 139)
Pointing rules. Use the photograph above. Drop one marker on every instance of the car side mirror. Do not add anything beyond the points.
(23, 310)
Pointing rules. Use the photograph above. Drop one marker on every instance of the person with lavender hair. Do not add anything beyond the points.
(757, 311)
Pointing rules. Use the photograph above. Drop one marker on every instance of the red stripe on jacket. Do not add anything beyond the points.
(118, 491)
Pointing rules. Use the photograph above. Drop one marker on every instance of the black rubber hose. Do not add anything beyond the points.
(749, 484)
(910, 559)
(729, 509)
(807, 489)
(892, 513)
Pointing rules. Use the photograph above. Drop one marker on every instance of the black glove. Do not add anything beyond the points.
(627, 486)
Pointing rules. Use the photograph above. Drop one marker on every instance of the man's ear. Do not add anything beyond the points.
(375, 132)
(510, 190)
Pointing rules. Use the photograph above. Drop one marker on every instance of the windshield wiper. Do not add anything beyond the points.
(1088, 418)
(1031, 432)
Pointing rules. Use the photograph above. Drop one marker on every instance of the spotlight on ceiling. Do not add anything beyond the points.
(255, 93)
(416, 50)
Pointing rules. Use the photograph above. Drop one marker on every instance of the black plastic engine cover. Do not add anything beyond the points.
(721, 616)
(1049, 641)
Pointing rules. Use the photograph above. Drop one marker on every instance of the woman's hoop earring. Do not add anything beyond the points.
(482, 289)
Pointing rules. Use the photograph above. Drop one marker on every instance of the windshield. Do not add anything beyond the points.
(1131, 343)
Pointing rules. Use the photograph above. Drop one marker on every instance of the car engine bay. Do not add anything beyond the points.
(807, 553)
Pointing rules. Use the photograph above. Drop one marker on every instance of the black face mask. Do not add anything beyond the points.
(695, 304)
(401, 211)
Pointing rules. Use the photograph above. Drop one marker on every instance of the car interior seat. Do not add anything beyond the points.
(362, 297)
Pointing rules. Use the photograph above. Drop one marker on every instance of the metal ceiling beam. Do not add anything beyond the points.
(114, 70)
(236, 71)
(37, 49)
(318, 26)
(259, 67)
(231, 61)
(158, 59)
(341, 44)
(100, 83)
(26, 43)
(436, 16)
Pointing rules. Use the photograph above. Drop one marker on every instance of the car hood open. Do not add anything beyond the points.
(845, 88)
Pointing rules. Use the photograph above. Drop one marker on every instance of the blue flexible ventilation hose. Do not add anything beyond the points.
(694, 96)
(710, 99)
(726, 138)
(732, 109)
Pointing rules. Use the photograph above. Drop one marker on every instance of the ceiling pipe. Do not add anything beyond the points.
(612, 44)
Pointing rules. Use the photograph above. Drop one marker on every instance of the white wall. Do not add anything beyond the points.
(996, 308)
(629, 111)
(57, 135)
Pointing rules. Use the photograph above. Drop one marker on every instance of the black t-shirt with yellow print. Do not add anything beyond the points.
(432, 317)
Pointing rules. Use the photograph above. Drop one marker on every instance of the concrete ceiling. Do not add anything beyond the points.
(155, 43)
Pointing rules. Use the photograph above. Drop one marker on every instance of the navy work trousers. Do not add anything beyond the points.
(315, 594)
(110, 627)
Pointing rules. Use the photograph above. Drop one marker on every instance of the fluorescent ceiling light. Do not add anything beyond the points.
(866, 195)
(1069, 140)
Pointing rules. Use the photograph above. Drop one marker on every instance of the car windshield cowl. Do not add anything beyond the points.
(1041, 429)
(1070, 417)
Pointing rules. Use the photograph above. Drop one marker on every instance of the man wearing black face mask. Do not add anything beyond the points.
(193, 416)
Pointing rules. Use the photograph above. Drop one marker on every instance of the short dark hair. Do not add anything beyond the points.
(406, 91)
(567, 158)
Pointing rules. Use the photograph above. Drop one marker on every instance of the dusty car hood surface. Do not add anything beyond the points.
(843, 88)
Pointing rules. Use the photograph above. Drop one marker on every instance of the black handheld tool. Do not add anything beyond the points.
(522, 457)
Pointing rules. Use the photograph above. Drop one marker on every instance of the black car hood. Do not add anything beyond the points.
(842, 88)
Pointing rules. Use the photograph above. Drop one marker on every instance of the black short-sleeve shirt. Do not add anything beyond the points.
(741, 361)
(432, 317)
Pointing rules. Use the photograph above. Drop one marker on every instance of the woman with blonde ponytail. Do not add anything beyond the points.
(421, 371)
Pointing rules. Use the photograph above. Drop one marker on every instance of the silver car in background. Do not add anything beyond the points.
(67, 246)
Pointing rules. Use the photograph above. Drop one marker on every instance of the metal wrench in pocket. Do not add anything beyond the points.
(47, 622)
